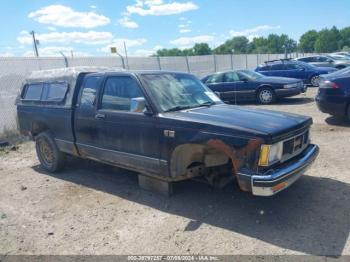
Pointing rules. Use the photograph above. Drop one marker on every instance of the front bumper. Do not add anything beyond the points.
(282, 177)
(286, 92)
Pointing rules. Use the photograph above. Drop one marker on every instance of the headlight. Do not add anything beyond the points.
(270, 154)
(290, 86)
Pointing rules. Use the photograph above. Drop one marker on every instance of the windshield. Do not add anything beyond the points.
(306, 65)
(339, 57)
(175, 91)
(250, 75)
(345, 71)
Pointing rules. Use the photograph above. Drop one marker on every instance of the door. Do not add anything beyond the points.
(278, 70)
(85, 124)
(128, 138)
(240, 85)
(294, 70)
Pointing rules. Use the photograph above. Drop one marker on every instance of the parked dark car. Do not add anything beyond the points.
(166, 126)
(247, 85)
(337, 61)
(333, 95)
(295, 69)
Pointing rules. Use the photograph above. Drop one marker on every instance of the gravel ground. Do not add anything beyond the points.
(91, 208)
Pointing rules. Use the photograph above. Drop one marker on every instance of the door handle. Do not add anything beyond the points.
(100, 116)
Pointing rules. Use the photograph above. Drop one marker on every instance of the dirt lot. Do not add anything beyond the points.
(94, 209)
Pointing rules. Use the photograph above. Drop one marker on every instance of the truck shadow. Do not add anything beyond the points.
(313, 216)
(337, 121)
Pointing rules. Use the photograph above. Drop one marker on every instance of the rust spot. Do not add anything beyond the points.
(237, 156)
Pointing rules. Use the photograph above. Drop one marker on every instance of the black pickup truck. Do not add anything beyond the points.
(167, 126)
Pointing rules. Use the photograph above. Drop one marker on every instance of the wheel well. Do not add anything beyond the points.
(264, 86)
(37, 128)
(188, 156)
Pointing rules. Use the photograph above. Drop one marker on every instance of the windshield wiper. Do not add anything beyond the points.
(208, 103)
(177, 108)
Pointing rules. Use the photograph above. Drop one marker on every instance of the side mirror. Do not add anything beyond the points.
(245, 80)
(138, 105)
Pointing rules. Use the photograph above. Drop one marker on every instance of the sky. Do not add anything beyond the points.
(91, 27)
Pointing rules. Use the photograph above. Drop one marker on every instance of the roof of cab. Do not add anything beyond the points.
(73, 72)
(67, 72)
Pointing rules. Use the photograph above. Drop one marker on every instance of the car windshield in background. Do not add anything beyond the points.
(174, 92)
(250, 75)
(345, 71)
(306, 65)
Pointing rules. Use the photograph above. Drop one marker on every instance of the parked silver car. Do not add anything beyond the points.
(326, 61)
(343, 54)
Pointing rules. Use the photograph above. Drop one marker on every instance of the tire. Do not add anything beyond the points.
(266, 96)
(348, 113)
(315, 80)
(50, 157)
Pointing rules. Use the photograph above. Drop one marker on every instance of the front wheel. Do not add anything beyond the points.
(50, 157)
(315, 81)
(266, 96)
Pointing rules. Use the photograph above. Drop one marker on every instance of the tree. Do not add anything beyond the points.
(345, 37)
(307, 41)
(237, 45)
(201, 49)
(169, 52)
(327, 40)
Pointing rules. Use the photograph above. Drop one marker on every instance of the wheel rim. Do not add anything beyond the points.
(265, 96)
(46, 152)
(315, 80)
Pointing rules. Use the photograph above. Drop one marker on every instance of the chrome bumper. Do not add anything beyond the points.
(280, 179)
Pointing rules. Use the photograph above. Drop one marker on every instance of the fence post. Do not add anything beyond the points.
(246, 61)
(214, 60)
(159, 65)
(231, 57)
(257, 59)
(187, 65)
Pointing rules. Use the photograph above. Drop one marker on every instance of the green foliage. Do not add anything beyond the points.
(346, 49)
(307, 41)
(324, 41)
(236, 45)
(201, 49)
(198, 49)
(327, 40)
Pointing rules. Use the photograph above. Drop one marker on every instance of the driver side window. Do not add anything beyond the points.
(231, 77)
(118, 92)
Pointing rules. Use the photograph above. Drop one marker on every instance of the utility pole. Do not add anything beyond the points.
(35, 42)
(126, 55)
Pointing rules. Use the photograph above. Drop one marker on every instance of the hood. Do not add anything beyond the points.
(266, 123)
(277, 80)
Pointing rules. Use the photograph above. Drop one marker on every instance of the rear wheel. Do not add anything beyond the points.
(315, 81)
(51, 159)
(348, 113)
(265, 95)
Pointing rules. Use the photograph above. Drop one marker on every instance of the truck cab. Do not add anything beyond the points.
(167, 126)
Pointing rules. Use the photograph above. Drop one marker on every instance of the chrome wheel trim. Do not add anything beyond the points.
(315, 81)
(265, 96)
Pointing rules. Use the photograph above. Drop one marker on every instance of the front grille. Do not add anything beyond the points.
(295, 145)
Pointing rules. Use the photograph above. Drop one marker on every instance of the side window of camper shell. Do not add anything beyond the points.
(48, 92)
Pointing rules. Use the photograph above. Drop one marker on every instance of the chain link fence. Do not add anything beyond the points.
(13, 71)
